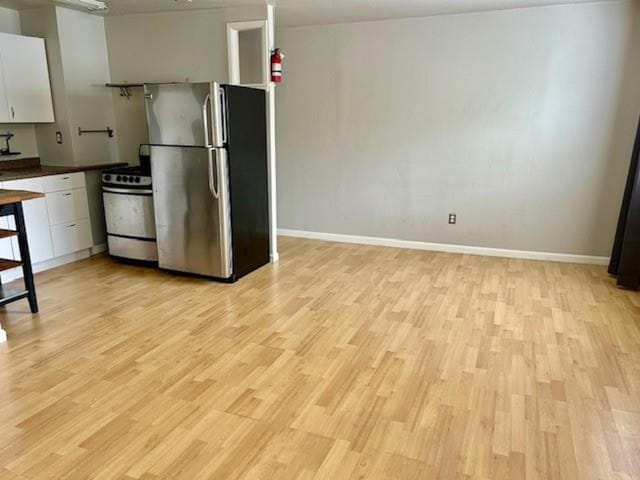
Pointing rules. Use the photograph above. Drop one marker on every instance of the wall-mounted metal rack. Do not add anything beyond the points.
(125, 88)
(108, 131)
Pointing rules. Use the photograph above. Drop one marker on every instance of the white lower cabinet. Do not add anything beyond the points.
(67, 206)
(6, 250)
(57, 225)
(71, 237)
(58, 183)
(68, 210)
(35, 219)
(38, 231)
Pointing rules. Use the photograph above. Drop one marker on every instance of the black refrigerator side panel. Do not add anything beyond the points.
(248, 177)
(629, 264)
(614, 264)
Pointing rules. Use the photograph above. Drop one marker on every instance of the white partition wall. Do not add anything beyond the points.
(264, 30)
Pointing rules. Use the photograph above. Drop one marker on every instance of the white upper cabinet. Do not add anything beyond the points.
(26, 80)
(5, 115)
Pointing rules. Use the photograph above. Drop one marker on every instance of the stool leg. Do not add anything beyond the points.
(25, 257)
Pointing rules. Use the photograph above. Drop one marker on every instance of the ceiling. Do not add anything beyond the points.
(312, 12)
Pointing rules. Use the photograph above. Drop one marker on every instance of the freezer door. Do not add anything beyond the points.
(185, 114)
(191, 200)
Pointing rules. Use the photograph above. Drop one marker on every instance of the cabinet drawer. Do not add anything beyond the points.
(71, 237)
(67, 206)
(56, 183)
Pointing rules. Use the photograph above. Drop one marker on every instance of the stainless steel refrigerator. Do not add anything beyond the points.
(209, 176)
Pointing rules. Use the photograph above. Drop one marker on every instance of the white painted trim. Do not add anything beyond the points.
(96, 249)
(271, 126)
(3, 336)
(233, 57)
(271, 171)
(445, 247)
(233, 49)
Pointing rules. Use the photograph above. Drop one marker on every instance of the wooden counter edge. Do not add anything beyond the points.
(14, 196)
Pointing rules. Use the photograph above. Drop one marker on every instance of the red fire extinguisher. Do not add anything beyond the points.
(276, 66)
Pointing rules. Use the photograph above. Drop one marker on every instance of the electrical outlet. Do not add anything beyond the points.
(58, 137)
(452, 219)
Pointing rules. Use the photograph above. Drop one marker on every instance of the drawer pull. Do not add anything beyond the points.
(66, 178)
(66, 194)
(72, 225)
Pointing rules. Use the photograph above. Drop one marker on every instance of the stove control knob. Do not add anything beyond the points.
(107, 177)
(131, 179)
(125, 179)
(118, 178)
(137, 179)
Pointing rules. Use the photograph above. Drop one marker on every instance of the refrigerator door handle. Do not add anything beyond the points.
(205, 119)
(224, 209)
(216, 106)
(213, 175)
(223, 115)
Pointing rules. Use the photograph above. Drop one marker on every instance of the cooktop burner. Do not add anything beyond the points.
(129, 171)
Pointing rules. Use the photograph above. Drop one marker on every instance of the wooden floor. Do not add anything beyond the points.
(341, 361)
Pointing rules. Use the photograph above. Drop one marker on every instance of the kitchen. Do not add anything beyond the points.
(100, 125)
(444, 286)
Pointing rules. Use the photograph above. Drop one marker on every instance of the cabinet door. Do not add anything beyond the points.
(36, 220)
(4, 107)
(71, 237)
(26, 78)
(38, 231)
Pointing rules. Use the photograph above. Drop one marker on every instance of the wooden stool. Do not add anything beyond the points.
(11, 204)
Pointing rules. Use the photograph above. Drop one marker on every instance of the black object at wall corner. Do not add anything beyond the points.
(625, 257)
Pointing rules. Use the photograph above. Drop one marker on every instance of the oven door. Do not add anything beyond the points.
(129, 212)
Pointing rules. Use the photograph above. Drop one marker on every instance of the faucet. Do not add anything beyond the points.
(7, 150)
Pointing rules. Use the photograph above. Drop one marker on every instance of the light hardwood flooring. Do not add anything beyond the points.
(342, 361)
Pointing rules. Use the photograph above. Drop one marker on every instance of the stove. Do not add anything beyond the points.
(129, 214)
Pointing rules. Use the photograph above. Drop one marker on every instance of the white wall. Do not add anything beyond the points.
(165, 47)
(86, 70)
(79, 68)
(89, 103)
(9, 21)
(25, 137)
(520, 122)
(42, 22)
(250, 53)
(24, 140)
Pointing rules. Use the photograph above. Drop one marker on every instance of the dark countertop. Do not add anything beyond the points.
(31, 168)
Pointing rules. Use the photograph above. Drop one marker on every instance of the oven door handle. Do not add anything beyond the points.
(129, 191)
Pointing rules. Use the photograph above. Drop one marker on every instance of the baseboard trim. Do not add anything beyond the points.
(445, 247)
(274, 257)
(3, 336)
